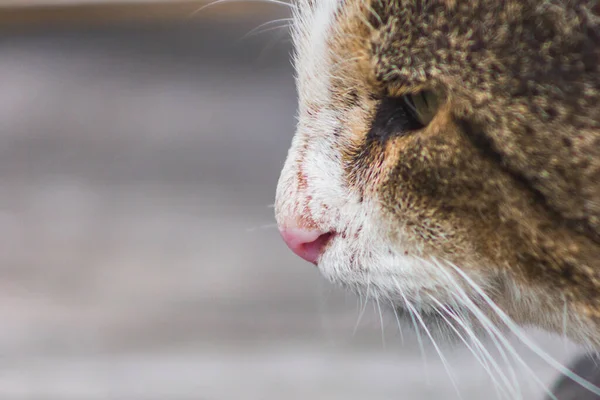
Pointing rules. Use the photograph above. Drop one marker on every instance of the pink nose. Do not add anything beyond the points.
(307, 244)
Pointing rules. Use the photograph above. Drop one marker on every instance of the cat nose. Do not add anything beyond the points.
(305, 243)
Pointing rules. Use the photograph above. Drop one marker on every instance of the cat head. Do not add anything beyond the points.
(447, 156)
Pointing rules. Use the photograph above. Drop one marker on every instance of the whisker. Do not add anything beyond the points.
(525, 339)
(480, 352)
(216, 2)
(418, 333)
(478, 356)
(273, 28)
(499, 347)
(502, 343)
(360, 302)
(398, 321)
(381, 321)
(286, 20)
(514, 381)
(435, 345)
(494, 331)
(362, 312)
(475, 310)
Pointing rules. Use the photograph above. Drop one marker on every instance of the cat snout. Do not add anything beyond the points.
(308, 244)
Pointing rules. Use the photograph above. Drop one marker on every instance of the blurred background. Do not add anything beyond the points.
(140, 146)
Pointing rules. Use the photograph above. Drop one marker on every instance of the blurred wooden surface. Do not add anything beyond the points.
(23, 13)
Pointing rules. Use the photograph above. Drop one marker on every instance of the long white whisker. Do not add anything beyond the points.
(362, 312)
(435, 345)
(398, 321)
(502, 343)
(276, 38)
(525, 339)
(381, 321)
(360, 302)
(273, 28)
(213, 3)
(479, 352)
(515, 384)
(360, 315)
(275, 21)
(500, 348)
(417, 331)
(494, 331)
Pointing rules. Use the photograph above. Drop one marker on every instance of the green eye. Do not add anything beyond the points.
(422, 105)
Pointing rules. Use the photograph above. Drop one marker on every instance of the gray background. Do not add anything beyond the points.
(139, 259)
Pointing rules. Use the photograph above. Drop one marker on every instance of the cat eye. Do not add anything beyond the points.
(402, 115)
(423, 106)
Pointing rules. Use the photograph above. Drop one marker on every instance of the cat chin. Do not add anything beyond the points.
(452, 328)
(414, 292)
(372, 267)
(436, 326)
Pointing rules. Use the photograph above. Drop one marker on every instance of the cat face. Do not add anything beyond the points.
(448, 152)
